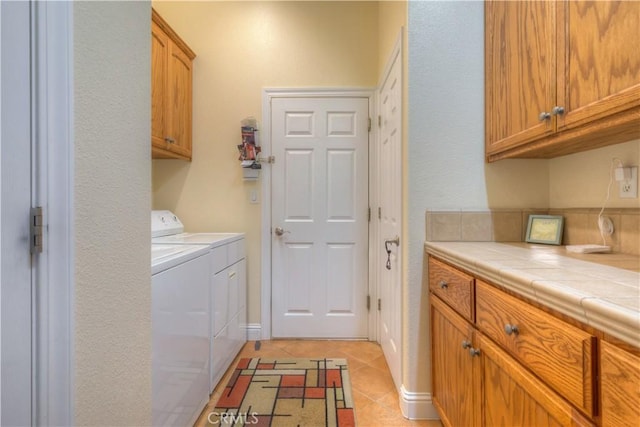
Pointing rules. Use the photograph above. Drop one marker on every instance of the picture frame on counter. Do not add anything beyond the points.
(545, 229)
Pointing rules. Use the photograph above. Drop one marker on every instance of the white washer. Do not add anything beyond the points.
(228, 293)
(180, 333)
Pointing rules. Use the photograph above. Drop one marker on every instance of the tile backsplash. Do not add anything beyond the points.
(510, 225)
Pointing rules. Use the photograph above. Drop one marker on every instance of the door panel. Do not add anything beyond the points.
(15, 203)
(390, 184)
(320, 200)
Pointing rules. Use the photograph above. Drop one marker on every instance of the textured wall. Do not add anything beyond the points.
(112, 197)
(241, 48)
(446, 149)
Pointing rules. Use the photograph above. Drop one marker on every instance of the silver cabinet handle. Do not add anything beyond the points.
(232, 274)
(170, 140)
(466, 344)
(474, 352)
(511, 329)
(557, 110)
(280, 231)
(544, 116)
(443, 284)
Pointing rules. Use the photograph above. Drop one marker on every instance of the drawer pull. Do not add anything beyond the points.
(443, 284)
(511, 329)
(232, 274)
(474, 352)
(466, 344)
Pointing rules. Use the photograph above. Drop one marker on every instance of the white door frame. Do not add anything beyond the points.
(52, 105)
(267, 95)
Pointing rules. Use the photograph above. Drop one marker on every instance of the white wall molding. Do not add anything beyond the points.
(417, 406)
(254, 331)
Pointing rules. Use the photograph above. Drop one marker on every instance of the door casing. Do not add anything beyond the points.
(268, 95)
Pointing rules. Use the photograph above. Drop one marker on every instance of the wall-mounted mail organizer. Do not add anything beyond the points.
(250, 149)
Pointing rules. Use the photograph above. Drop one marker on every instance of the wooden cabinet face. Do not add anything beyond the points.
(520, 54)
(159, 49)
(620, 385)
(599, 60)
(456, 384)
(179, 100)
(514, 397)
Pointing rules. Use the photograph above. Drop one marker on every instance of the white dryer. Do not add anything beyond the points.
(180, 333)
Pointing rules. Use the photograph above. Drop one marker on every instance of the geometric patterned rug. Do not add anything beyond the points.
(287, 393)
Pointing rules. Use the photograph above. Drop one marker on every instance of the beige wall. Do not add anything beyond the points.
(112, 195)
(580, 180)
(243, 47)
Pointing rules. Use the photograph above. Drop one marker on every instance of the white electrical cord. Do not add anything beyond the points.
(600, 220)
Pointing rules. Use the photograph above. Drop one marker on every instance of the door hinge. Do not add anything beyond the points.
(379, 304)
(368, 302)
(36, 230)
(369, 125)
(379, 121)
(369, 214)
(379, 212)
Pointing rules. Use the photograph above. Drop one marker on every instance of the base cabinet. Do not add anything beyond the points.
(620, 386)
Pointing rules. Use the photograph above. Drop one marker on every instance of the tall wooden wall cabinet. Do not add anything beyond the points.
(560, 77)
(171, 92)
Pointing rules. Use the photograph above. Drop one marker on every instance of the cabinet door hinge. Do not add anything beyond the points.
(379, 212)
(379, 121)
(368, 302)
(36, 229)
(369, 214)
(379, 304)
(369, 125)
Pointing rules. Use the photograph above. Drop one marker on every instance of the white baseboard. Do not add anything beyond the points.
(254, 331)
(417, 406)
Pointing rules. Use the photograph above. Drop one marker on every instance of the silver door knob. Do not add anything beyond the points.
(280, 231)
(557, 110)
(544, 116)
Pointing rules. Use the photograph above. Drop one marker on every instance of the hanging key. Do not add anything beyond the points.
(388, 242)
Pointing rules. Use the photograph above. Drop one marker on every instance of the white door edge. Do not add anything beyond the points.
(54, 268)
(267, 95)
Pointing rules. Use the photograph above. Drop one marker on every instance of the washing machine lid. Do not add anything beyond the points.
(211, 239)
(164, 257)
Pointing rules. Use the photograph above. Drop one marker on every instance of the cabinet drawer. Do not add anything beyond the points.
(452, 286)
(559, 353)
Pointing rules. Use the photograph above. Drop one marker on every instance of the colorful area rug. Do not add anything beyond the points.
(287, 392)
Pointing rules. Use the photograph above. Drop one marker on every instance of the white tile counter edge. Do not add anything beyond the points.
(535, 275)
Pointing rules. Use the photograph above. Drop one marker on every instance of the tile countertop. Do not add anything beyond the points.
(600, 290)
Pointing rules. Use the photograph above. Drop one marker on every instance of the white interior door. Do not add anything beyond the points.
(390, 198)
(319, 217)
(15, 203)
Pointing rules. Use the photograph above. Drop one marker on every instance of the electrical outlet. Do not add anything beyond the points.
(629, 187)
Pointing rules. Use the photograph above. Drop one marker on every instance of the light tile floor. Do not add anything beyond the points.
(375, 396)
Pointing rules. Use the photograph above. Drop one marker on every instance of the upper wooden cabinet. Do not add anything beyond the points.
(171, 92)
(560, 77)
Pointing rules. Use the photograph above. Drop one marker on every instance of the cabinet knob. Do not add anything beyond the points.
(170, 140)
(466, 344)
(511, 329)
(557, 110)
(544, 116)
(443, 284)
(474, 352)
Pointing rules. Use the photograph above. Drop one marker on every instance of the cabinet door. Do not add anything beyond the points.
(512, 396)
(520, 72)
(178, 115)
(159, 54)
(598, 59)
(456, 385)
(620, 376)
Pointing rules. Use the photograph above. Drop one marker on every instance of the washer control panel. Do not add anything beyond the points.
(165, 223)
